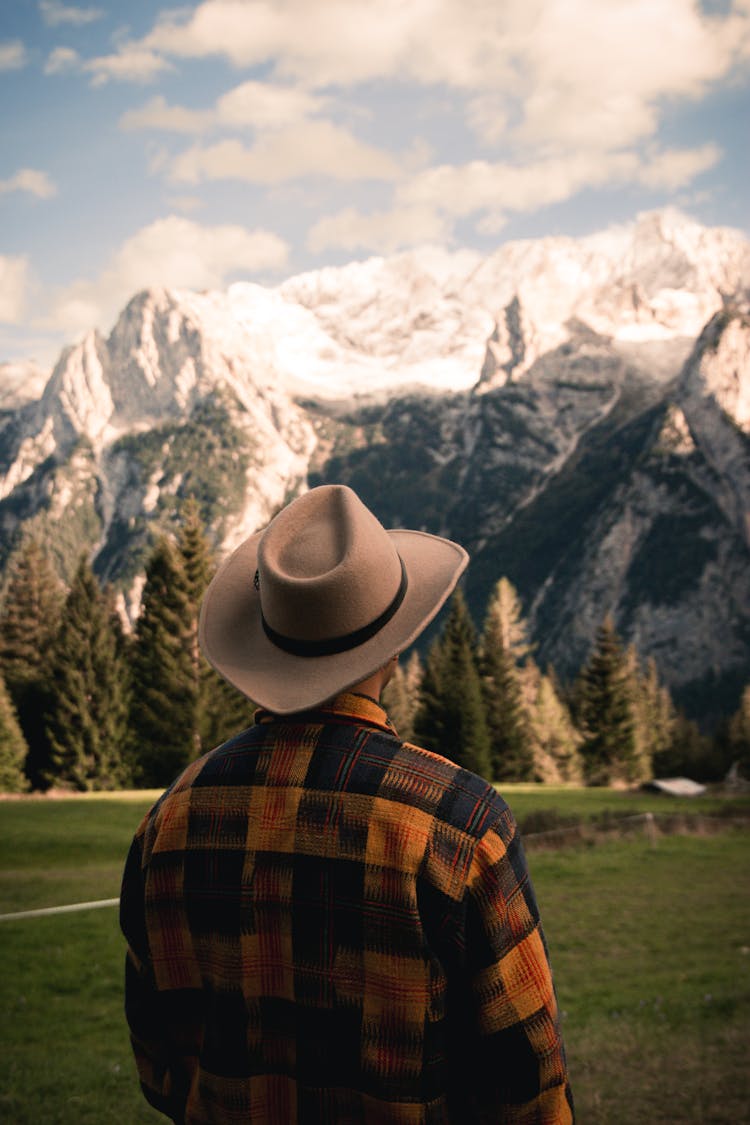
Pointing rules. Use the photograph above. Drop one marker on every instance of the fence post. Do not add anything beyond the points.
(651, 833)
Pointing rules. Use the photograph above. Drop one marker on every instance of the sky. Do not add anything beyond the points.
(144, 144)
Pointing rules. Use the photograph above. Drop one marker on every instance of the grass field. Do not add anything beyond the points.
(650, 944)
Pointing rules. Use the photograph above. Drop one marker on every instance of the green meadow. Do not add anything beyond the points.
(649, 937)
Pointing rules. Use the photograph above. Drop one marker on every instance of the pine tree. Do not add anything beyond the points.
(554, 738)
(197, 566)
(222, 710)
(225, 710)
(739, 736)
(181, 706)
(503, 645)
(688, 753)
(401, 696)
(87, 709)
(428, 724)
(451, 718)
(607, 712)
(13, 748)
(28, 623)
(506, 613)
(165, 702)
(196, 553)
(656, 719)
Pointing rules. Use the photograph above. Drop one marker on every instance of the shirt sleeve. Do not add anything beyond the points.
(144, 1005)
(514, 1045)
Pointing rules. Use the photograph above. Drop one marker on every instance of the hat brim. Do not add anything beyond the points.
(234, 642)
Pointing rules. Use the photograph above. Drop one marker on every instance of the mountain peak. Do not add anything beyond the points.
(77, 396)
(512, 403)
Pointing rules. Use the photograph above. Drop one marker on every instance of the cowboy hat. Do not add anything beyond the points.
(321, 599)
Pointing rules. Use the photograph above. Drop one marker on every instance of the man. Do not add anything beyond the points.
(326, 924)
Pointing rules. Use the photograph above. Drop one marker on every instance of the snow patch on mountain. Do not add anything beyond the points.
(564, 326)
(658, 279)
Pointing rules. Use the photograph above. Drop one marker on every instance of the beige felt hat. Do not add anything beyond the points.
(321, 599)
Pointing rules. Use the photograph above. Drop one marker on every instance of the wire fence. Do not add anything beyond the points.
(653, 825)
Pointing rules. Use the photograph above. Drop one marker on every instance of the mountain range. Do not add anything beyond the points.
(576, 412)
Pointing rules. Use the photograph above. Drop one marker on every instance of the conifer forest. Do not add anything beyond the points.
(87, 705)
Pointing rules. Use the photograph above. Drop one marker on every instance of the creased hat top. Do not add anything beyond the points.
(326, 567)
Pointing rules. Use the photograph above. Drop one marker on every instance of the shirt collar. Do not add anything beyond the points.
(349, 705)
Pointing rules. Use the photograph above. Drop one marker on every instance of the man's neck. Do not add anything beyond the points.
(373, 686)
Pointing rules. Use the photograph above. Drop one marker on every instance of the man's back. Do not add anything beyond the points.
(327, 925)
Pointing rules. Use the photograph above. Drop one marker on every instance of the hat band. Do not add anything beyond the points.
(339, 644)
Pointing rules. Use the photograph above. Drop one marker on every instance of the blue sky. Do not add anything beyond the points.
(153, 145)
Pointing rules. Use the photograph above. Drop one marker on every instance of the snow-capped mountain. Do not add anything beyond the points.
(569, 409)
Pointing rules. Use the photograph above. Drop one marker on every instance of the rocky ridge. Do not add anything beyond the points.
(576, 411)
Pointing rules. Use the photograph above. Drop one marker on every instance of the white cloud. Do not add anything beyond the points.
(491, 223)
(30, 180)
(345, 42)
(341, 42)
(313, 148)
(338, 41)
(570, 84)
(55, 13)
(576, 118)
(173, 252)
(427, 205)
(157, 114)
(62, 60)
(177, 252)
(264, 105)
(462, 190)
(542, 73)
(258, 105)
(78, 309)
(675, 168)
(650, 45)
(598, 81)
(386, 231)
(132, 62)
(14, 287)
(12, 55)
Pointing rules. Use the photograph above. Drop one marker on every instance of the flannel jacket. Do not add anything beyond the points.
(326, 924)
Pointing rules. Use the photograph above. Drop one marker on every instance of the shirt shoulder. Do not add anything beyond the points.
(449, 802)
(457, 797)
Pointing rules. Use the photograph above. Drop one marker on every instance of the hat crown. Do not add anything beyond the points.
(327, 567)
(336, 596)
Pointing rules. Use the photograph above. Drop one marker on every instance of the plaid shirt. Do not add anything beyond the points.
(326, 924)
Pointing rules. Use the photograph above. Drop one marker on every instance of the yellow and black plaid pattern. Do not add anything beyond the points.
(325, 924)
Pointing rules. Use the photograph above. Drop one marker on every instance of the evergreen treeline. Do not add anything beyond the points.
(483, 701)
(83, 705)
